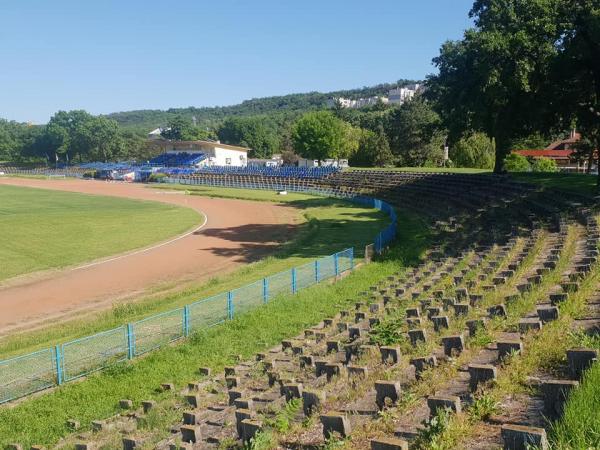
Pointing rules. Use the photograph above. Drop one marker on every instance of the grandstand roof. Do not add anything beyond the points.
(546, 153)
(203, 143)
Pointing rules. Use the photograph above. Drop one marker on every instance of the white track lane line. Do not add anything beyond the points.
(144, 250)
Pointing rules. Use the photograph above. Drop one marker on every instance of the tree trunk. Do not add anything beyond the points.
(502, 150)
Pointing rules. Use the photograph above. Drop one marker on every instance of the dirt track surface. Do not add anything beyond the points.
(236, 232)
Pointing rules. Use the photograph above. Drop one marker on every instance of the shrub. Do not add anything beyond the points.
(157, 177)
(89, 174)
(544, 165)
(476, 150)
(516, 163)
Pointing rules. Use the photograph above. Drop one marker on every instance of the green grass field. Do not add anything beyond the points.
(44, 229)
(329, 226)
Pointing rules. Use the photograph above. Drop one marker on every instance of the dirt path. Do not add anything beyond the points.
(236, 232)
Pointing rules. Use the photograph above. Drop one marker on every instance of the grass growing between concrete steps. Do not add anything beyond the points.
(329, 226)
(577, 183)
(580, 425)
(42, 420)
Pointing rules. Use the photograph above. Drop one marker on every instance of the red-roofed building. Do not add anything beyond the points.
(561, 152)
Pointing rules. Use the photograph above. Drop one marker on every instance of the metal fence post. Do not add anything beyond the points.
(265, 290)
(186, 321)
(317, 276)
(336, 264)
(352, 258)
(58, 360)
(130, 341)
(294, 280)
(230, 305)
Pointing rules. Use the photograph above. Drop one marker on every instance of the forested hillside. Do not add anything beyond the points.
(210, 117)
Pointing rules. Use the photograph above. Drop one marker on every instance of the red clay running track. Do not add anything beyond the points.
(236, 232)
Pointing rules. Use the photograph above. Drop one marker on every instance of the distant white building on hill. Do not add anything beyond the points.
(396, 96)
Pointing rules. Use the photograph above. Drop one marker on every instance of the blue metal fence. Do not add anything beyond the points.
(30, 373)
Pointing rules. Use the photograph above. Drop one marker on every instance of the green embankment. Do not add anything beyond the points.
(44, 229)
(42, 420)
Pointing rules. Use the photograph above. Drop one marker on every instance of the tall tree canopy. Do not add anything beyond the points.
(415, 134)
(493, 79)
(181, 128)
(254, 132)
(321, 135)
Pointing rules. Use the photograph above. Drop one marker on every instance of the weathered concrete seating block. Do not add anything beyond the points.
(580, 359)
(193, 400)
(474, 325)
(413, 312)
(535, 279)
(232, 382)
(354, 333)
(14, 446)
(240, 416)
(524, 287)
(497, 310)
(499, 280)
(414, 322)
(204, 371)
(37, 447)
(297, 350)
(440, 323)
(357, 371)
(570, 286)
(191, 433)
(147, 405)
(333, 346)
(448, 302)
(389, 354)
(518, 437)
(480, 373)
(526, 325)
(505, 348)
(427, 287)
(320, 336)
(234, 394)
(312, 401)
(556, 393)
(374, 308)
(309, 333)
(74, 425)
(249, 429)
(488, 287)
(100, 425)
(335, 424)
(438, 294)
(342, 326)
(458, 279)
(285, 345)
(320, 367)
(328, 322)
(359, 316)
(244, 403)
(125, 404)
(453, 345)
(389, 444)
(425, 303)
(417, 336)
(386, 391)
(547, 313)
(461, 309)
(84, 446)
(333, 370)
(230, 371)
(550, 265)
(433, 311)
(167, 387)
(512, 298)
(415, 295)
(292, 391)
(556, 299)
(423, 363)
(130, 443)
(461, 293)
(359, 305)
(192, 417)
(268, 365)
(306, 361)
(440, 403)
(344, 313)
(475, 299)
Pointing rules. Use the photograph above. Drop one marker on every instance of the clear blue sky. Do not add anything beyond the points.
(117, 55)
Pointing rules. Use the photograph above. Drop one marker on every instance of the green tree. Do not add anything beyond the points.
(544, 165)
(373, 150)
(492, 80)
(181, 128)
(516, 163)
(253, 132)
(321, 135)
(101, 137)
(476, 150)
(415, 134)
